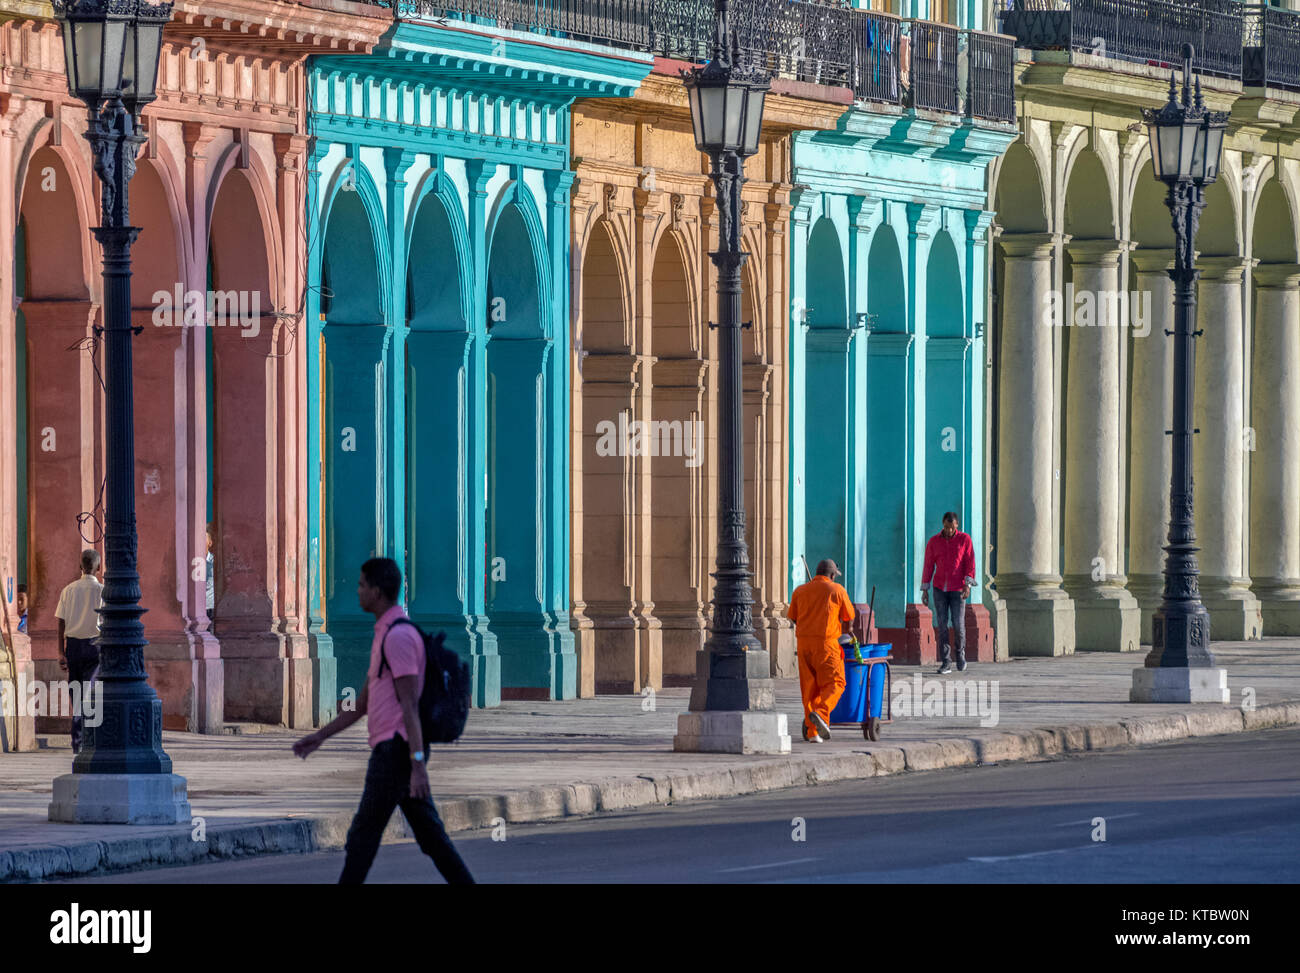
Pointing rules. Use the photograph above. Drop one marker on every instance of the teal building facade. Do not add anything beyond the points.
(889, 293)
(437, 310)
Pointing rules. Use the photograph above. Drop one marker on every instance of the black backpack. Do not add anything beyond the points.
(444, 700)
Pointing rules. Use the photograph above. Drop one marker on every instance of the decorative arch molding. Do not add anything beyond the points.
(261, 185)
(1072, 152)
(1268, 172)
(619, 249)
(535, 227)
(1037, 141)
(438, 184)
(75, 166)
(1140, 158)
(165, 166)
(689, 256)
(371, 203)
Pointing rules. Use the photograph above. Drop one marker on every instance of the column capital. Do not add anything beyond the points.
(1033, 246)
(1230, 269)
(1104, 252)
(1277, 276)
(1150, 260)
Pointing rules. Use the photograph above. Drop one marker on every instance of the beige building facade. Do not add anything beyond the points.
(1083, 372)
(645, 383)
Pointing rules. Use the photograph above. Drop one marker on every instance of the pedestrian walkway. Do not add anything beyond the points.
(529, 761)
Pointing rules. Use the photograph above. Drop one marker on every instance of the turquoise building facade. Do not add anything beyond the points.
(889, 293)
(438, 350)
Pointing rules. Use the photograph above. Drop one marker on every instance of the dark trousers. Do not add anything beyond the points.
(950, 605)
(83, 660)
(388, 786)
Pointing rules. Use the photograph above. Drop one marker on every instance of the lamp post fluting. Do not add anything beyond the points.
(1186, 147)
(121, 775)
(733, 700)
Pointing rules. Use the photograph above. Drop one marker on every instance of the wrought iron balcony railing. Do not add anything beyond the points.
(934, 66)
(990, 89)
(823, 41)
(1272, 48)
(1140, 31)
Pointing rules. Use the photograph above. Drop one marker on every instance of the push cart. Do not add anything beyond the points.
(866, 698)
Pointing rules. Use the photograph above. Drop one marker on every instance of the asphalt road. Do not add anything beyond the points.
(1224, 809)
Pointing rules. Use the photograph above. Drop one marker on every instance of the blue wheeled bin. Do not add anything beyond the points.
(852, 707)
(864, 688)
(878, 676)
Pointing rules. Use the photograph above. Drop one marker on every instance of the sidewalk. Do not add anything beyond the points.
(529, 761)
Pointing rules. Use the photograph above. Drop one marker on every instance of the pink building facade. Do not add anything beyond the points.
(220, 396)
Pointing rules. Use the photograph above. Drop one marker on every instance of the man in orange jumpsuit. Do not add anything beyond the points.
(818, 609)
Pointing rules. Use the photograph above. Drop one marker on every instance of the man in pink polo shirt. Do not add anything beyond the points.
(396, 776)
(950, 561)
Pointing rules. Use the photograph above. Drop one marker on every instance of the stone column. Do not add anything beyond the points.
(676, 544)
(627, 632)
(1151, 413)
(16, 733)
(1274, 448)
(1107, 617)
(1040, 616)
(1218, 454)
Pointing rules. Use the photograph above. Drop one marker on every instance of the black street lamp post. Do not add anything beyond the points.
(726, 98)
(1186, 147)
(112, 49)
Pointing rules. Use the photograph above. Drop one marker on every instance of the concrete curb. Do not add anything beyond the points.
(301, 835)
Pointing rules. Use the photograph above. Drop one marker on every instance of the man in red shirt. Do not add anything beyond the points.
(396, 775)
(950, 562)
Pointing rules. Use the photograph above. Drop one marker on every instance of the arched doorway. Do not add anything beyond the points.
(673, 447)
(1025, 552)
(947, 386)
(1107, 617)
(244, 373)
(1150, 393)
(517, 354)
(63, 469)
(353, 424)
(888, 355)
(1271, 442)
(611, 587)
(437, 389)
(827, 395)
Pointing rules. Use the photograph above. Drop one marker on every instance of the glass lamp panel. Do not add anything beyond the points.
(697, 116)
(114, 48)
(735, 116)
(69, 55)
(713, 110)
(143, 54)
(1156, 136)
(753, 120)
(1187, 148)
(1197, 171)
(1214, 152)
(88, 44)
(129, 70)
(1170, 154)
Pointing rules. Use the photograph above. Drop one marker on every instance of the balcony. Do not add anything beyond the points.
(882, 59)
(1149, 32)
(1272, 48)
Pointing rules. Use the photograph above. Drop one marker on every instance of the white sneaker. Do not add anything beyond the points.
(816, 739)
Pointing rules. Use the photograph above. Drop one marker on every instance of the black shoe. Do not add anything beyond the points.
(961, 665)
(944, 668)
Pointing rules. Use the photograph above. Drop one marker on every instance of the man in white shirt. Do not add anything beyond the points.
(78, 615)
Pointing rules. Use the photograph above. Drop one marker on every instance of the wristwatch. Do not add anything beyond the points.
(418, 757)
